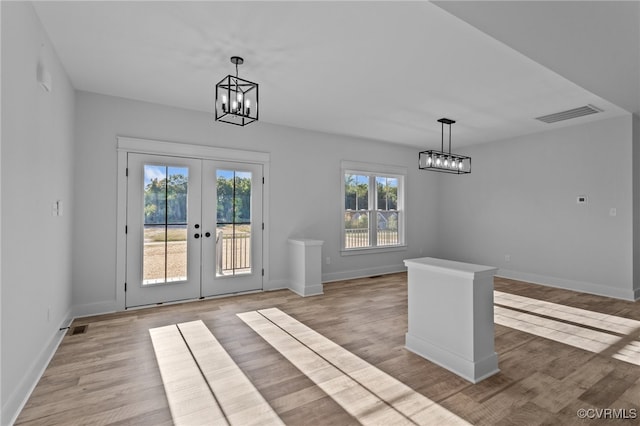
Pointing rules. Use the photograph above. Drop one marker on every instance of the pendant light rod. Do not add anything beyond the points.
(449, 122)
(237, 60)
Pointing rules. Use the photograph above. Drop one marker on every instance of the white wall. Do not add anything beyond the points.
(636, 205)
(520, 200)
(304, 189)
(37, 157)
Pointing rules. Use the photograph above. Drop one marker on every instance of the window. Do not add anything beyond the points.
(373, 206)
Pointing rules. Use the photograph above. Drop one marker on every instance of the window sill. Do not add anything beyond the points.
(371, 250)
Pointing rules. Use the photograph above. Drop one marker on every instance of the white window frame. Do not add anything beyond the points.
(373, 171)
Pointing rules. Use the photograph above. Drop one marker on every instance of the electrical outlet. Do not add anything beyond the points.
(507, 258)
(613, 211)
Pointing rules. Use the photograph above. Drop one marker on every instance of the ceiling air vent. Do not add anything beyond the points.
(572, 113)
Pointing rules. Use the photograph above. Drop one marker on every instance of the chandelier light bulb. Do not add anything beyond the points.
(460, 165)
(446, 162)
(224, 103)
(248, 105)
(429, 160)
(438, 161)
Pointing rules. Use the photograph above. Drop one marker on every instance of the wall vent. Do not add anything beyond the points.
(80, 329)
(572, 113)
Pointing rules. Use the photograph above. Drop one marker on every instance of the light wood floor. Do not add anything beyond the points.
(110, 375)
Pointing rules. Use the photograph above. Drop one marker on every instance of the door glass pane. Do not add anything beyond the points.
(165, 224)
(233, 230)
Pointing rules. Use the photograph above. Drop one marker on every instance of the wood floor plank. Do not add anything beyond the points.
(239, 400)
(109, 375)
(190, 399)
(355, 399)
(386, 390)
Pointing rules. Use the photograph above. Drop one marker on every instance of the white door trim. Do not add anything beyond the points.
(126, 145)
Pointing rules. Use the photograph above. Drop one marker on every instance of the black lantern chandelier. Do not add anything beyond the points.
(236, 98)
(441, 161)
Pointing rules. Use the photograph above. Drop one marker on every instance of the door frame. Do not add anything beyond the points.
(126, 145)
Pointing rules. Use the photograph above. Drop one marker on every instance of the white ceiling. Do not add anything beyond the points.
(595, 44)
(379, 70)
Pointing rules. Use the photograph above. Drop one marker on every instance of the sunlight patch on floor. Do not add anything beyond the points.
(364, 391)
(581, 316)
(203, 383)
(570, 334)
(187, 392)
(630, 353)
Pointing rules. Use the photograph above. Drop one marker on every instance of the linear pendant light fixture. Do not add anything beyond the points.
(441, 161)
(236, 98)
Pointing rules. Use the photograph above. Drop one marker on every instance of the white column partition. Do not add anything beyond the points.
(451, 316)
(305, 270)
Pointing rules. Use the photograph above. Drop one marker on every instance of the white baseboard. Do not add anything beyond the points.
(472, 370)
(362, 273)
(580, 286)
(275, 285)
(305, 291)
(98, 308)
(20, 395)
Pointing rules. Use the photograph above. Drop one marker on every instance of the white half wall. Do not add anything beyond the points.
(518, 208)
(37, 164)
(304, 189)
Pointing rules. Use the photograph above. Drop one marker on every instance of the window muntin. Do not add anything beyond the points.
(165, 224)
(373, 209)
(387, 230)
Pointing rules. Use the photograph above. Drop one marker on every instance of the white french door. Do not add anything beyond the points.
(194, 228)
(232, 209)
